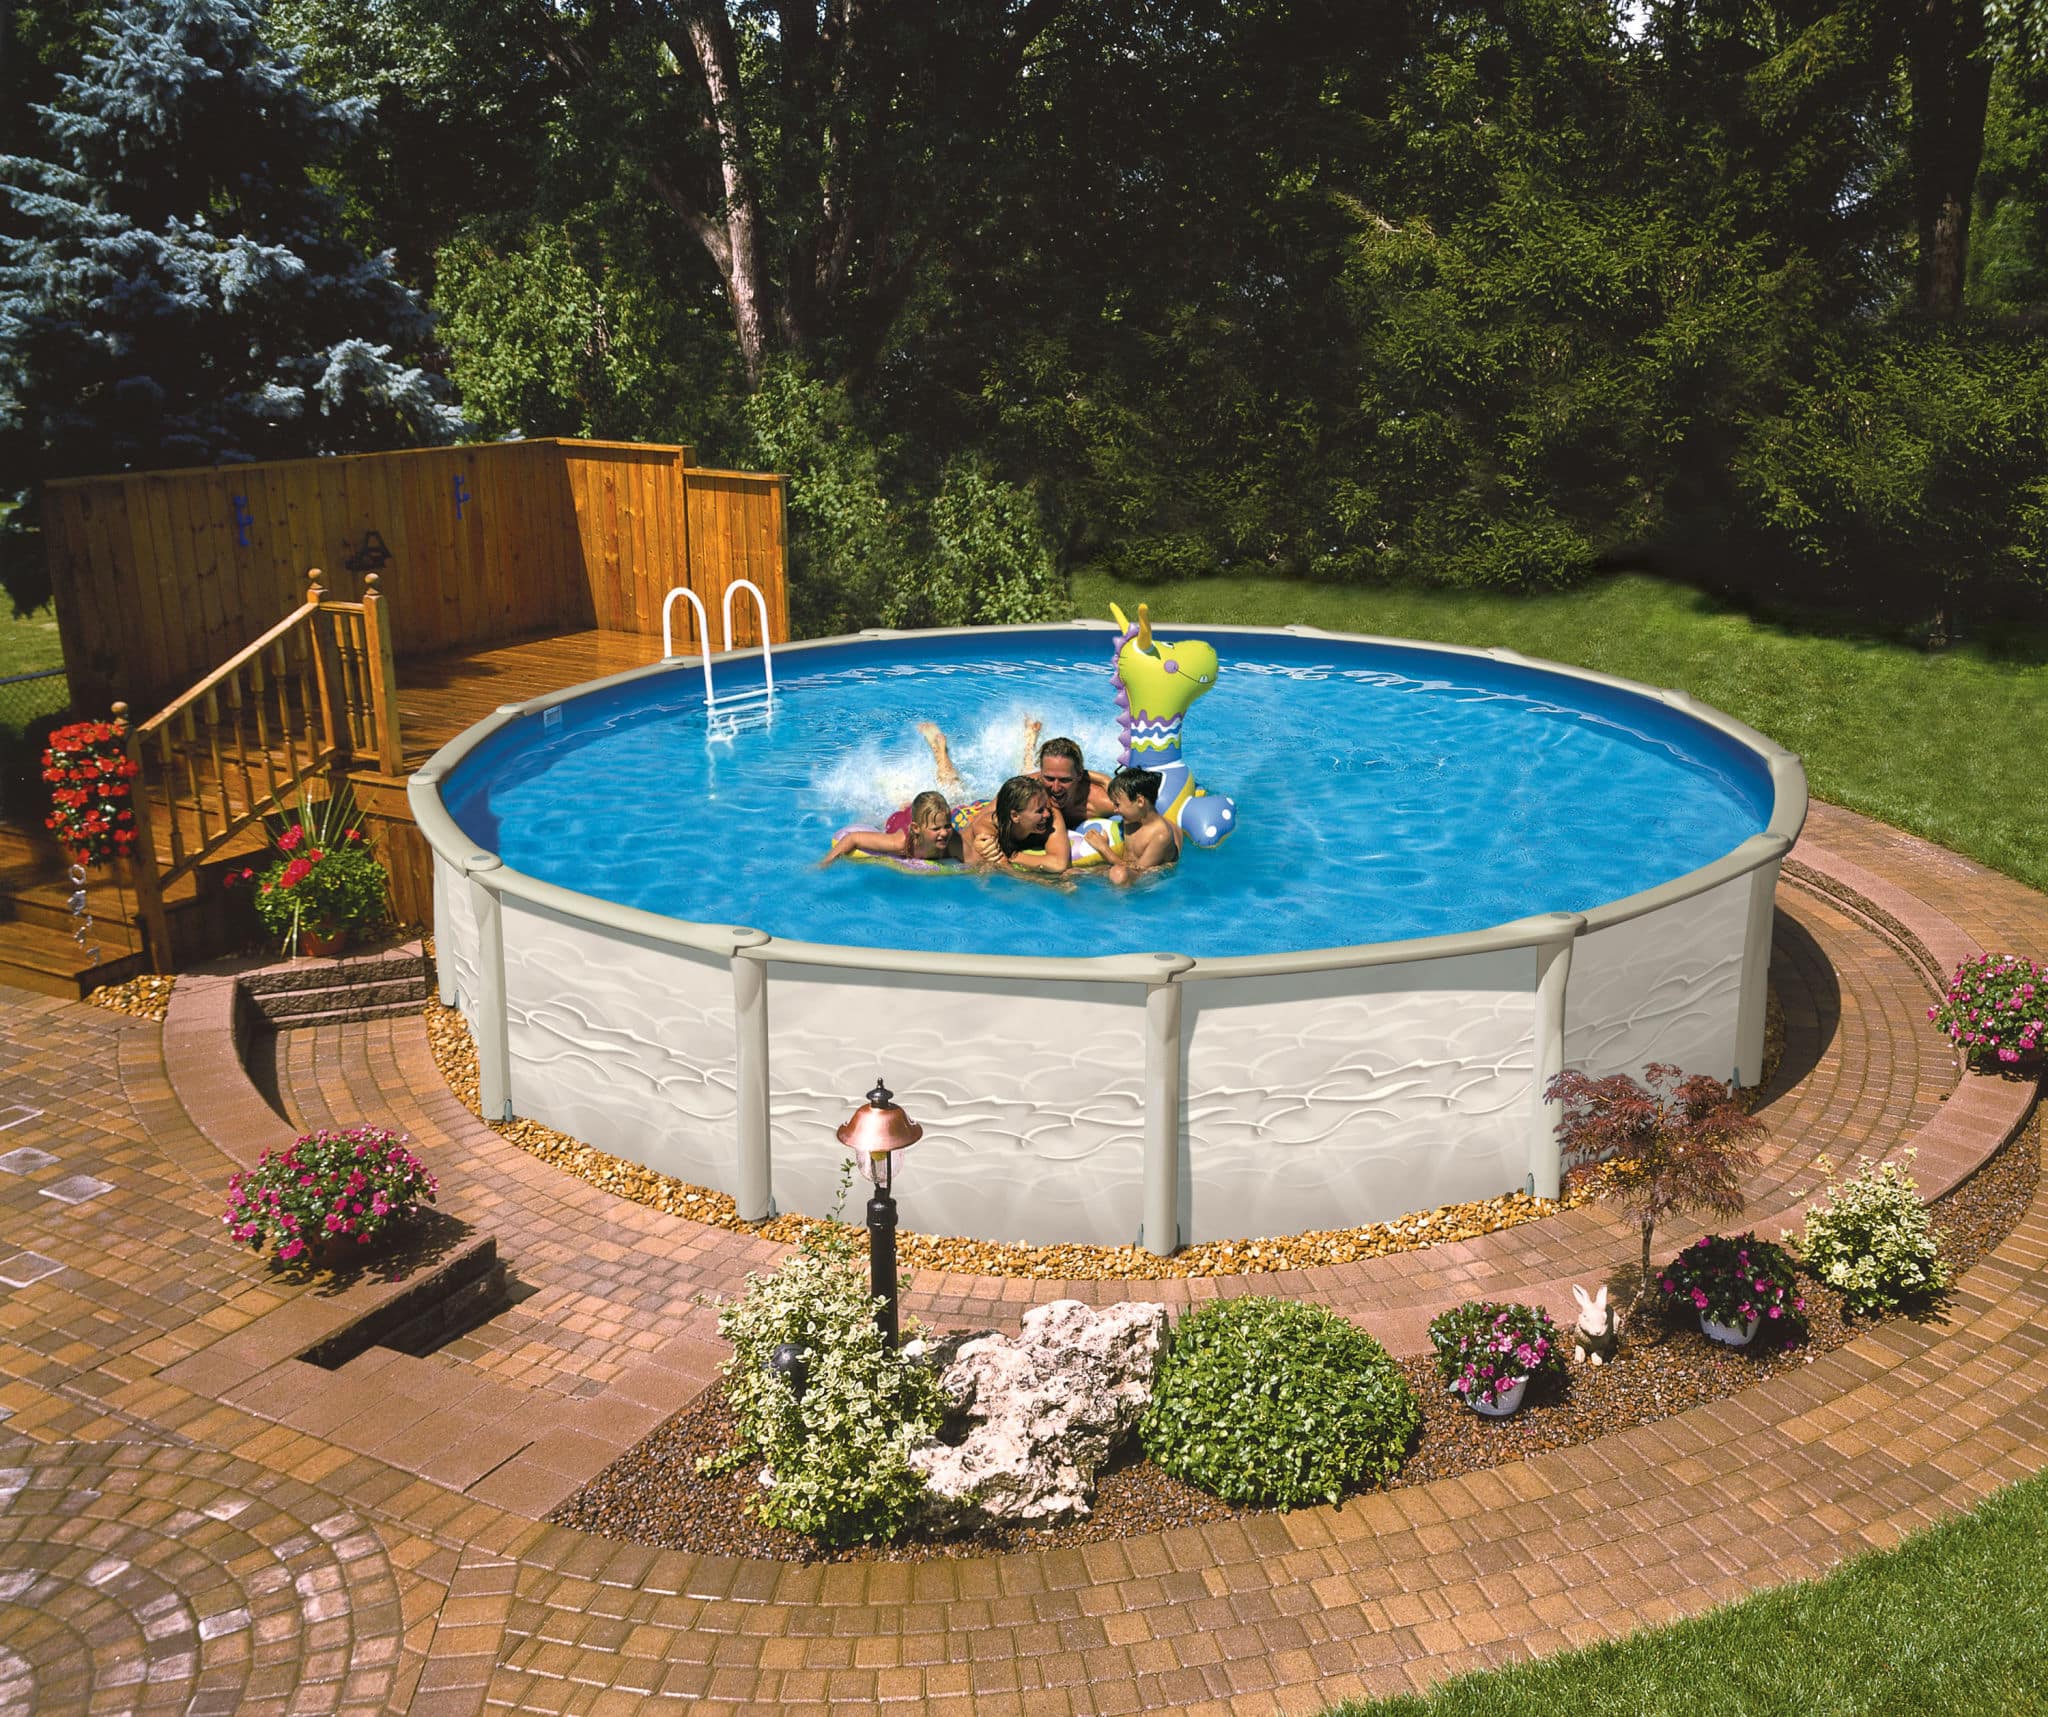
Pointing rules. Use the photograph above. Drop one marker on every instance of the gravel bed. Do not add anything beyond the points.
(147, 997)
(654, 1495)
(455, 1054)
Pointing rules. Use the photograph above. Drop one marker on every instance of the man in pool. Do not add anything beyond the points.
(1020, 829)
(1076, 792)
(924, 830)
(1148, 841)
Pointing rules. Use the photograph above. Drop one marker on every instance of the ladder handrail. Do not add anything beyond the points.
(762, 695)
(760, 608)
(668, 651)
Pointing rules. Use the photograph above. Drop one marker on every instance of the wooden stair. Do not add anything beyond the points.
(38, 950)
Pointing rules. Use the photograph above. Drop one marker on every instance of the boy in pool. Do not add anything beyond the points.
(1149, 841)
(922, 831)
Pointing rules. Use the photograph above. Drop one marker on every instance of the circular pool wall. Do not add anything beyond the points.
(1344, 1014)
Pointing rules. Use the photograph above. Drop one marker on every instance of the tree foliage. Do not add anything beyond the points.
(1486, 291)
(173, 286)
(1668, 1144)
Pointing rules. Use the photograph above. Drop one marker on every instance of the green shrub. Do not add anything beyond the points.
(1275, 1401)
(838, 1452)
(988, 563)
(1874, 1241)
(1908, 473)
(849, 547)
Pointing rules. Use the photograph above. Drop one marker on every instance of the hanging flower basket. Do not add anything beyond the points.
(91, 779)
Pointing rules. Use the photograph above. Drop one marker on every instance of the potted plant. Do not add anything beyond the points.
(91, 779)
(1995, 1010)
(331, 1195)
(1487, 1353)
(322, 884)
(1735, 1283)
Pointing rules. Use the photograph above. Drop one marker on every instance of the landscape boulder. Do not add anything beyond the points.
(1034, 1416)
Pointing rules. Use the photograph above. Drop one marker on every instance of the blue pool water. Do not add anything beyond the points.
(1381, 793)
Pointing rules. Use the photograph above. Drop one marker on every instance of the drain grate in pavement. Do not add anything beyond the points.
(76, 1189)
(26, 1267)
(25, 1159)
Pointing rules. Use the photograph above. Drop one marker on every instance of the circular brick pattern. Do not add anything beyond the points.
(1907, 1425)
(143, 1577)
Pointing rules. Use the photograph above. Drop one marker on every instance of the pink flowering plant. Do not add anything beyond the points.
(1995, 1010)
(331, 1192)
(1483, 1348)
(1732, 1278)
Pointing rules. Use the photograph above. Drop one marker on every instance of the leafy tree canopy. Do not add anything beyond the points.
(174, 289)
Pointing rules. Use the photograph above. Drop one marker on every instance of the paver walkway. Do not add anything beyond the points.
(190, 1519)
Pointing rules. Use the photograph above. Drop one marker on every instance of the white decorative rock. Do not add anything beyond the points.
(1042, 1409)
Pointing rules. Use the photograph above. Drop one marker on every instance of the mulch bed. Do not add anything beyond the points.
(654, 1495)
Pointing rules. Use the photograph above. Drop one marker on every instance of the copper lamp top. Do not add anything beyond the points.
(879, 1126)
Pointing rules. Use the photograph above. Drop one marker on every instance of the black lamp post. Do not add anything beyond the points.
(878, 1130)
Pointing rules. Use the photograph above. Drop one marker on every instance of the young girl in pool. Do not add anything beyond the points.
(923, 830)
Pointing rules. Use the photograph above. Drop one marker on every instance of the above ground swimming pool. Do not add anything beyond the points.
(1448, 873)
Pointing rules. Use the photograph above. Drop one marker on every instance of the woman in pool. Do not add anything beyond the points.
(1020, 829)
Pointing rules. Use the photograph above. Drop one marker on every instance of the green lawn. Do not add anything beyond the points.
(28, 641)
(1947, 744)
(1953, 1621)
(26, 644)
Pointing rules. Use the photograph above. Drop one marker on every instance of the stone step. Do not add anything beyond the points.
(449, 1291)
(467, 1307)
(372, 966)
(341, 1016)
(359, 997)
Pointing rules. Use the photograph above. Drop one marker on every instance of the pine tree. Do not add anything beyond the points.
(175, 288)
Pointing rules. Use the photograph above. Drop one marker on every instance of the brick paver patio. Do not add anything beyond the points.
(192, 1518)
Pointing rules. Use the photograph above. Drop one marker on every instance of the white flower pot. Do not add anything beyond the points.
(1729, 1335)
(1503, 1404)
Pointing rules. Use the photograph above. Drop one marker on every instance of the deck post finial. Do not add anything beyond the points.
(313, 590)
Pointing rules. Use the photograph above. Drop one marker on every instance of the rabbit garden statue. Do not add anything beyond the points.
(1598, 1330)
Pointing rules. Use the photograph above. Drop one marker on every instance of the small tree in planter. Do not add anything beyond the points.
(1677, 1144)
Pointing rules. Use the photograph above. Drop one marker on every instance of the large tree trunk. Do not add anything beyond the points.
(738, 255)
(1951, 81)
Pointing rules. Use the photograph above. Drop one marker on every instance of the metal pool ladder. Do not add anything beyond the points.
(752, 707)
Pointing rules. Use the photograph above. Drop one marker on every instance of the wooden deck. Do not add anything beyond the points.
(439, 696)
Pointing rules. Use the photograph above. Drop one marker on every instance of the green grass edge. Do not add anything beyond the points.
(1953, 1620)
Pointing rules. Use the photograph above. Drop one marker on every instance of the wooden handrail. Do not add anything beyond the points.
(297, 617)
(317, 697)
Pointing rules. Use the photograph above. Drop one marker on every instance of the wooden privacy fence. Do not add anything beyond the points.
(161, 575)
(300, 704)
